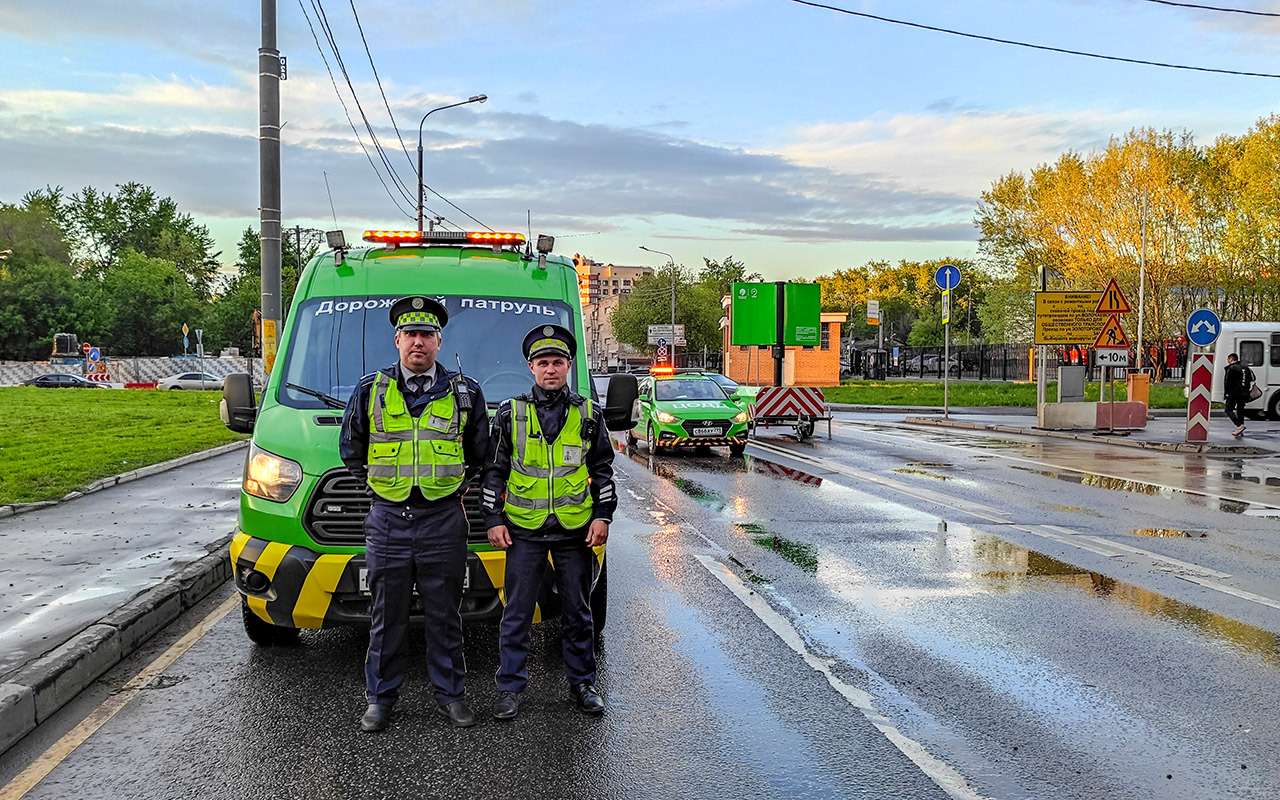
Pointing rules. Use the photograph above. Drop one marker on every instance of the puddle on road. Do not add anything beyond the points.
(1243, 475)
(1003, 563)
(921, 472)
(1149, 489)
(1168, 533)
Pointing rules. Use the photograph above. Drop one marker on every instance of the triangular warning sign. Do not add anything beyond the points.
(1113, 300)
(1111, 335)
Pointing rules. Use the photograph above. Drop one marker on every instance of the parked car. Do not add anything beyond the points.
(61, 380)
(191, 380)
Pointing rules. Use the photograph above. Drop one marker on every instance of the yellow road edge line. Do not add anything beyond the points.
(49, 760)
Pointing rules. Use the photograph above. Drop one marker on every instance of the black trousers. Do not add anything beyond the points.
(427, 548)
(526, 562)
(1234, 406)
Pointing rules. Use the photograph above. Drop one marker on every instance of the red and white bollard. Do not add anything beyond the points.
(1198, 403)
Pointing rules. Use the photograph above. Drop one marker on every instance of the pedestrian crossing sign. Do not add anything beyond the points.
(1111, 335)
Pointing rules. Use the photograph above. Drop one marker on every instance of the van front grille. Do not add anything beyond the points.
(339, 504)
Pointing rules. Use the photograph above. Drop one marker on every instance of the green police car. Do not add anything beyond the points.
(688, 410)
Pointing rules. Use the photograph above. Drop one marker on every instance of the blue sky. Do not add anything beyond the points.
(797, 139)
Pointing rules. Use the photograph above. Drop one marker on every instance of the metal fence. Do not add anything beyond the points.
(999, 362)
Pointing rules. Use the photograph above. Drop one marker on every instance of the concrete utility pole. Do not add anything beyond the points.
(269, 181)
(1142, 279)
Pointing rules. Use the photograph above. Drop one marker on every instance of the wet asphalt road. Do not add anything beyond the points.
(68, 565)
(1067, 635)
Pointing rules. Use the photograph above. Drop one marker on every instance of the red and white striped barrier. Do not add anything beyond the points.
(1198, 398)
(790, 401)
(98, 377)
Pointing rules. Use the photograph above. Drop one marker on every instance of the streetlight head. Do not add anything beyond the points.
(477, 98)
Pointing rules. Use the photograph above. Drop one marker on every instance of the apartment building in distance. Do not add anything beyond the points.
(601, 288)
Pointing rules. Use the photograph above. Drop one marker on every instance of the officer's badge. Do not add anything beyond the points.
(417, 302)
(547, 330)
(572, 455)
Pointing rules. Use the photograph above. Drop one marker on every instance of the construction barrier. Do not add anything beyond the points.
(795, 407)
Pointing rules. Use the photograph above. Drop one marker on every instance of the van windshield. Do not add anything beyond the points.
(338, 340)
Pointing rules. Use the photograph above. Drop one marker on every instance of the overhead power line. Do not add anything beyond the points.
(347, 112)
(412, 165)
(1222, 9)
(1032, 46)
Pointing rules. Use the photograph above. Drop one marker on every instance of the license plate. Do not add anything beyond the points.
(364, 581)
(706, 431)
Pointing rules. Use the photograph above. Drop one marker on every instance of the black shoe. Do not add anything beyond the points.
(459, 713)
(376, 718)
(508, 705)
(587, 699)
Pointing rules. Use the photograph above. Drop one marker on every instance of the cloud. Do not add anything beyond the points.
(956, 153)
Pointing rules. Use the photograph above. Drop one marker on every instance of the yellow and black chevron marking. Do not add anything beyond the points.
(303, 582)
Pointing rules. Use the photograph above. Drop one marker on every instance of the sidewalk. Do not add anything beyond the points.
(1164, 433)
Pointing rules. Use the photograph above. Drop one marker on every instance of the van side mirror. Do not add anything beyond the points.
(238, 409)
(620, 402)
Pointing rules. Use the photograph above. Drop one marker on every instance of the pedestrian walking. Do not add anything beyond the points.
(1237, 384)
(548, 490)
(414, 432)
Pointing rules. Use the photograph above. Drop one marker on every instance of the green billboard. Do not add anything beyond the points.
(754, 314)
(802, 326)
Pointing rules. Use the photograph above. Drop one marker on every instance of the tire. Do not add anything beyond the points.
(175, 388)
(600, 597)
(651, 439)
(1273, 410)
(264, 634)
(631, 437)
(736, 450)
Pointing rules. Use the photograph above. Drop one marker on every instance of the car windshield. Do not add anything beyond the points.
(725, 383)
(684, 389)
(338, 340)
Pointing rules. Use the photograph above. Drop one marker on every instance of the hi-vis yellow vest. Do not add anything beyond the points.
(547, 477)
(404, 452)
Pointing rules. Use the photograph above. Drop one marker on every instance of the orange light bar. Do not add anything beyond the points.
(495, 237)
(662, 370)
(488, 238)
(394, 237)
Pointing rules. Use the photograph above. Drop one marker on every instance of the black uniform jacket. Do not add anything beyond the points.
(553, 410)
(353, 445)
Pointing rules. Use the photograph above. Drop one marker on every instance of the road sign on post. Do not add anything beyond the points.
(657, 332)
(948, 278)
(662, 355)
(1203, 327)
(1064, 318)
(779, 314)
(1113, 300)
(873, 312)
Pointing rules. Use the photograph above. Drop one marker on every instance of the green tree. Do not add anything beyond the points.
(145, 301)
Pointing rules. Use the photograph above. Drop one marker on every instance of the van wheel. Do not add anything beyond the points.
(600, 598)
(264, 634)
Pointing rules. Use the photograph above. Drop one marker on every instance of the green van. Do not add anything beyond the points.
(297, 556)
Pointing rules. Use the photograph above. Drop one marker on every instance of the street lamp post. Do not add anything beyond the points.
(479, 98)
(671, 262)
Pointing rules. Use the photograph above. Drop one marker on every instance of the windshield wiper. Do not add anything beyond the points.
(329, 400)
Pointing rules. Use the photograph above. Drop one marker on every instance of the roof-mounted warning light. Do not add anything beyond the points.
(662, 372)
(495, 239)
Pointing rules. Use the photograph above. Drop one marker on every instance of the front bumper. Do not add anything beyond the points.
(675, 435)
(306, 589)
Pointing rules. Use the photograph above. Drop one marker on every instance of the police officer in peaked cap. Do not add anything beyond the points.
(414, 433)
(548, 489)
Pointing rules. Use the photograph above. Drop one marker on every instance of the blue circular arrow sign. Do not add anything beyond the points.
(1203, 327)
(947, 277)
(95, 354)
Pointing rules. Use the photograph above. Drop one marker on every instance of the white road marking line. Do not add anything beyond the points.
(944, 775)
(634, 496)
(1234, 592)
(1073, 538)
(47, 761)
(1049, 465)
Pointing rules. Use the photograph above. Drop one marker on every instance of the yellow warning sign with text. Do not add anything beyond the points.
(1111, 335)
(1066, 317)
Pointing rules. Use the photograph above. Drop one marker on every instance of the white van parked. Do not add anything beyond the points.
(1258, 345)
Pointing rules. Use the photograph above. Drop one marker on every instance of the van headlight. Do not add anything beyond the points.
(269, 476)
(740, 418)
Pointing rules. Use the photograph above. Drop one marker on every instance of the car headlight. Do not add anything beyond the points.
(665, 418)
(740, 418)
(269, 476)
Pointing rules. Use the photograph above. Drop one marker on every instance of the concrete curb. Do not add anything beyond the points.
(126, 477)
(36, 690)
(1011, 411)
(1168, 447)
